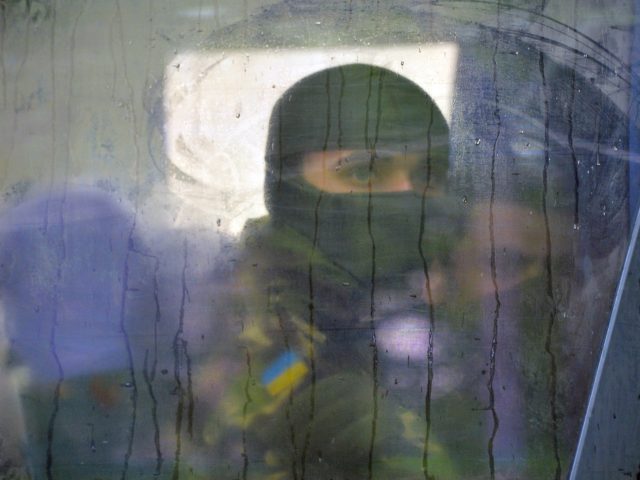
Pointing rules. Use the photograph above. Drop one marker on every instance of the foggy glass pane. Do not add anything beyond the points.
(318, 240)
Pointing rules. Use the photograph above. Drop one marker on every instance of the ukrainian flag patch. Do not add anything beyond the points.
(285, 373)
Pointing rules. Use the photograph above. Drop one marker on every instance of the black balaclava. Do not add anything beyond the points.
(377, 114)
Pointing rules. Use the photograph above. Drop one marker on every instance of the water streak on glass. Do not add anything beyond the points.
(432, 318)
(371, 147)
(494, 273)
(553, 381)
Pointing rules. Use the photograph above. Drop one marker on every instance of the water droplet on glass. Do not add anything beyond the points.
(465, 199)
(478, 141)
(576, 226)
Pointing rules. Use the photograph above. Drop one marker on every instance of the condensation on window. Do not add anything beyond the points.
(318, 240)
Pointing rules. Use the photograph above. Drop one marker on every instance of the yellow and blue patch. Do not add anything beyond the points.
(284, 374)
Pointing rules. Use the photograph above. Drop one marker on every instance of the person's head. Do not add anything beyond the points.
(356, 152)
(356, 129)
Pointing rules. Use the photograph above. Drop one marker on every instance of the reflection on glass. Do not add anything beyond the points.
(424, 299)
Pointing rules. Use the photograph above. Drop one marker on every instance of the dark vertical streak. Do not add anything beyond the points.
(372, 304)
(543, 5)
(367, 146)
(553, 381)
(190, 401)
(379, 108)
(178, 431)
(179, 349)
(158, 316)
(54, 353)
(245, 408)
(127, 343)
(63, 253)
(152, 109)
(432, 318)
(372, 327)
(311, 333)
(598, 138)
(292, 431)
(280, 164)
(154, 414)
(574, 159)
(340, 100)
(429, 159)
(156, 301)
(494, 275)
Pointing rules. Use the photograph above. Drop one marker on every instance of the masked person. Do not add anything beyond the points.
(368, 334)
(331, 368)
(355, 337)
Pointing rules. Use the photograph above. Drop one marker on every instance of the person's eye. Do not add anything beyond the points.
(359, 173)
